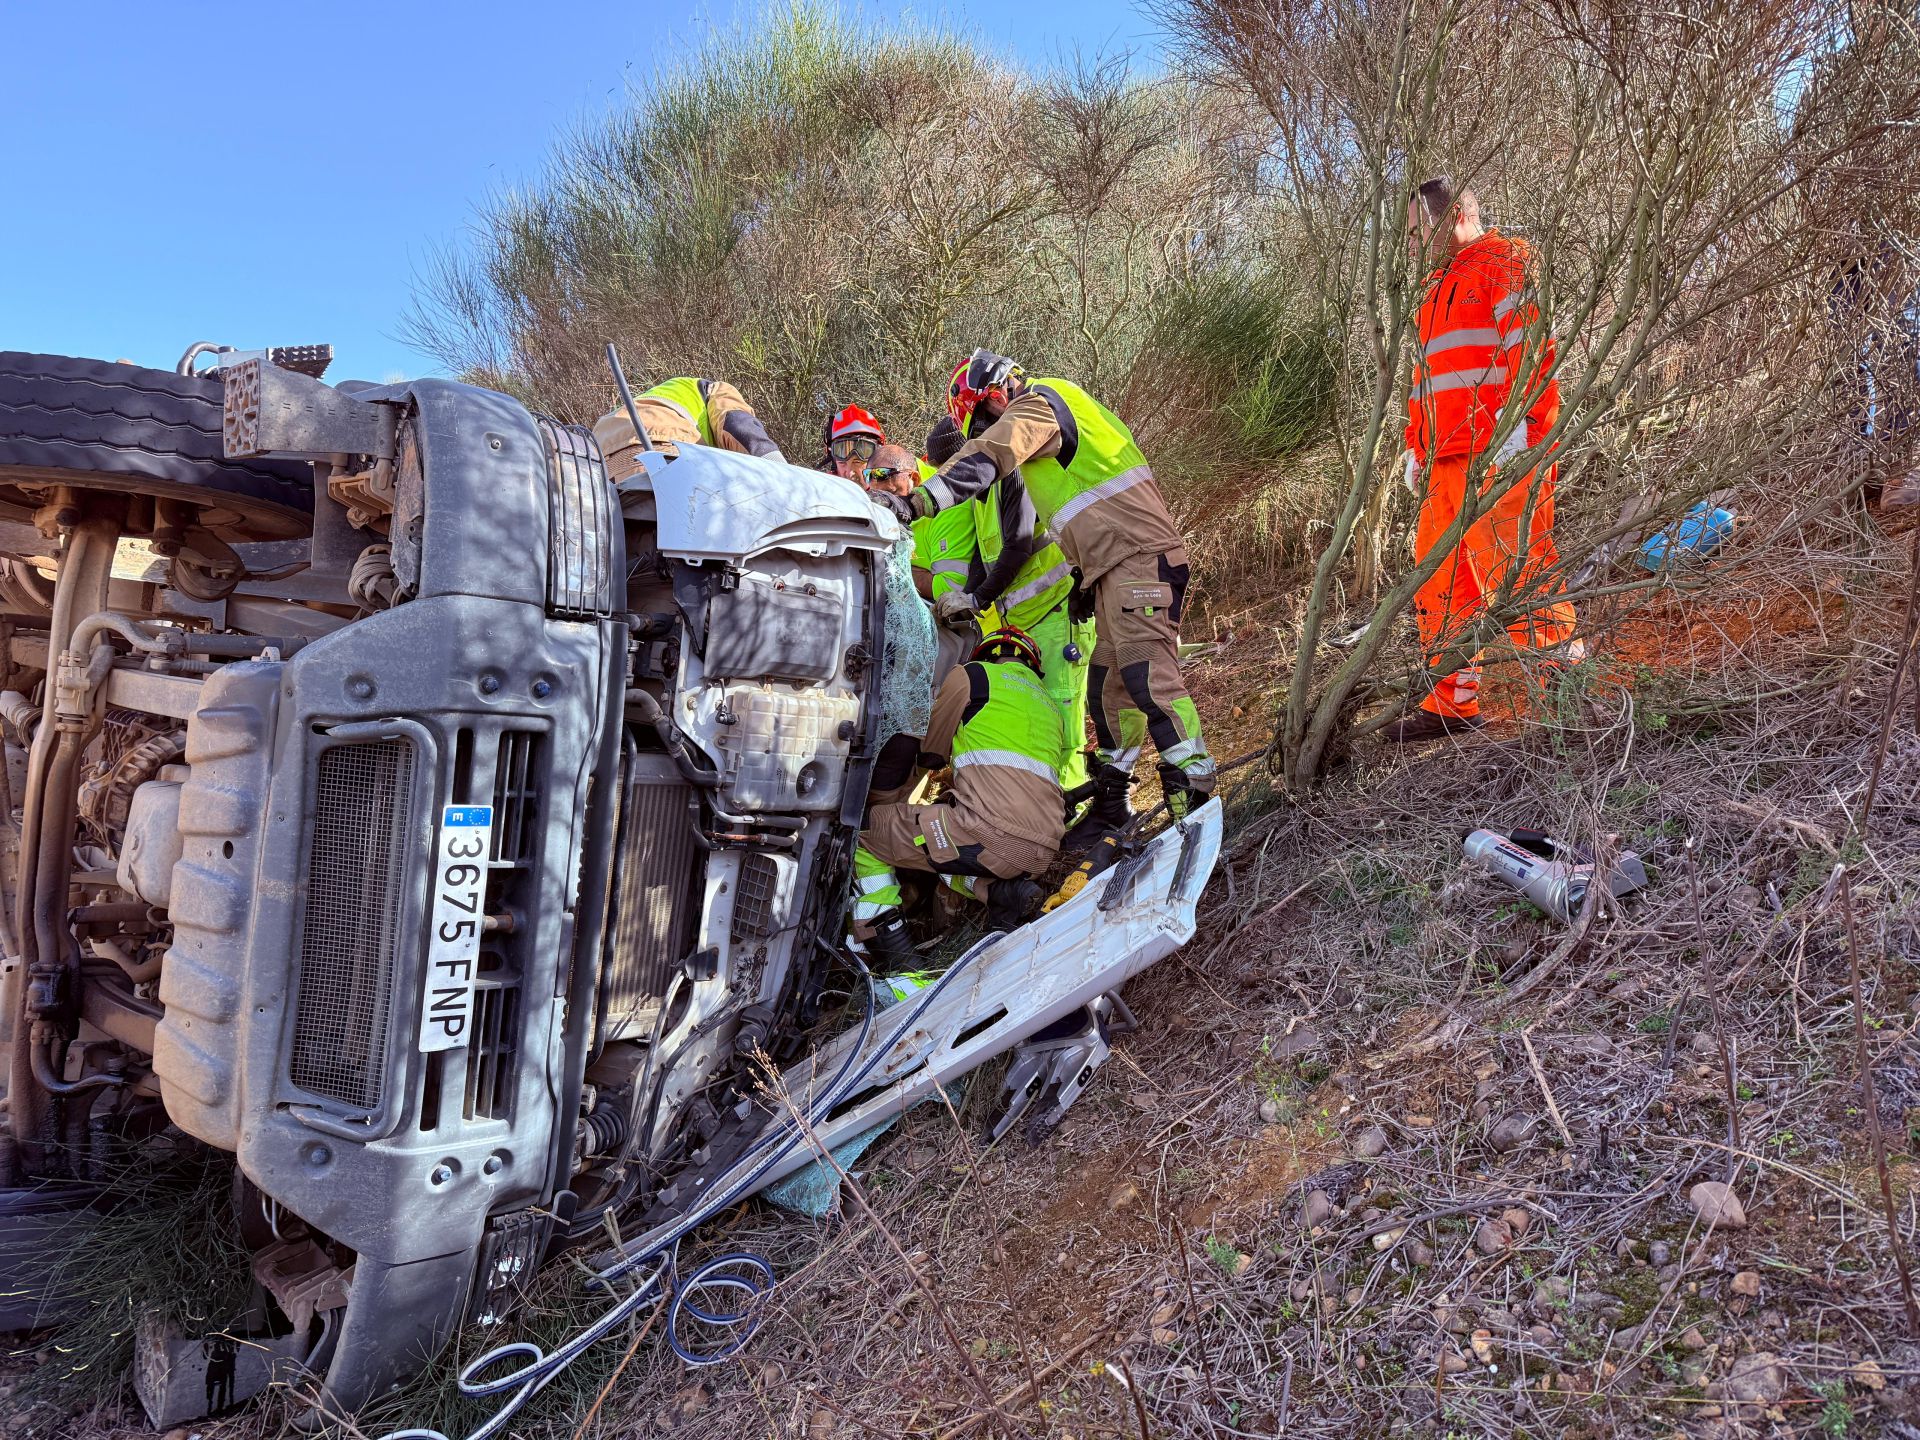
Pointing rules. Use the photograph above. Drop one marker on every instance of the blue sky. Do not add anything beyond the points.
(278, 174)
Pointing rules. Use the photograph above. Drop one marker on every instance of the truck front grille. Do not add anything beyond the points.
(356, 867)
(581, 514)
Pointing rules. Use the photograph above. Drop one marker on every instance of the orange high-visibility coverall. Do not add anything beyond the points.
(1481, 344)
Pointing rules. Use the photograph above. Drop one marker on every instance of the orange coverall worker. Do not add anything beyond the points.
(1482, 346)
(682, 411)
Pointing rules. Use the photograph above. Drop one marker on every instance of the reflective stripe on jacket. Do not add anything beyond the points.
(944, 546)
(1007, 739)
(1480, 340)
(1039, 586)
(1013, 721)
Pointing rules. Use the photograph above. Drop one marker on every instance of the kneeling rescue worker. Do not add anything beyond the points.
(999, 823)
(683, 411)
(1094, 496)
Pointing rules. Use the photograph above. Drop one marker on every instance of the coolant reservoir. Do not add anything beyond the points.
(152, 840)
(784, 750)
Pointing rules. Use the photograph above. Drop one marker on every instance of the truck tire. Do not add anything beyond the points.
(99, 425)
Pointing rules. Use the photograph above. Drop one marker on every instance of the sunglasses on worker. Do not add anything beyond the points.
(853, 447)
(883, 477)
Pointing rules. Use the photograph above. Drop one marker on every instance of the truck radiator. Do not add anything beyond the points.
(651, 905)
(356, 874)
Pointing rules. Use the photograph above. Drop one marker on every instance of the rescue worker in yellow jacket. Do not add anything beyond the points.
(1000, 822)
(1094, 495)
(683, 411)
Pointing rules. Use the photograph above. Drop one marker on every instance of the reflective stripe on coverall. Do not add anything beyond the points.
(1482, 346)
(1094, 494)
(1003, 735)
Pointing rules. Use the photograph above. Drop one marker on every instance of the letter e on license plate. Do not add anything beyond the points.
(453, 941)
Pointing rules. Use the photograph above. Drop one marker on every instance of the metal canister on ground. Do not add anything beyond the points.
(1551, 873)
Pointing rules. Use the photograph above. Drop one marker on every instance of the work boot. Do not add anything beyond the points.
(889, 948)
(1183, 797)
(1425, 725)
(1106, 812)
(1011, 903)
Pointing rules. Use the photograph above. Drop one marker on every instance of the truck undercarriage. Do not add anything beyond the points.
(452, 836)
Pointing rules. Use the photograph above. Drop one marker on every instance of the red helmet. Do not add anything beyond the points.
(1009, 643)
(853, 421)
(981, 376)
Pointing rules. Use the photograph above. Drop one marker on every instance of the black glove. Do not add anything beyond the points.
(1079, 601)
(901, 505)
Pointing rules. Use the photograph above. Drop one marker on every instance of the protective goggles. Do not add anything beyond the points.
(853, 447)
(882, 477)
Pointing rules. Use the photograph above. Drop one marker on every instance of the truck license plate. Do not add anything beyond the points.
(459, 907)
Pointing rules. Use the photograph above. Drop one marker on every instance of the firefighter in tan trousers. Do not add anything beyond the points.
(999, 823)
(1094, 495)
(683, 411)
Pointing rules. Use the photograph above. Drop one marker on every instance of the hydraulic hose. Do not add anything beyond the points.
(43, 1039)
(86, 567)
(651, 714)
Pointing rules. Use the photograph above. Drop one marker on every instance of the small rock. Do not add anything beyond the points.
(1482, 1343)
(1703, 1044)
(1163, 1314)
(1370, 1143)
(1386, 1238)
(1420, 1253)
(1717, 1205)
(1756, 1379)
(1868, 1375)
(1747, 1283)
(1269, 1111)
(1540, 1334)
(1517, 1219)
(1354, 1296)
(1301, 1040)
(1316, 1208)
(1453, 1362)
(820, 1425)
(1242, 1262)
(1164, 1336)
(1624, 1248)
(1510, 1132)
(1692, 1339)
(1659, 1252)
(1492, 1237)
(1123, 1196)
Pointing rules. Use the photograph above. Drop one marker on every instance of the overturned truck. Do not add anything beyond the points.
(453, 837)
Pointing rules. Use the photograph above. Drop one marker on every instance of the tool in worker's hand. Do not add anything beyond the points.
(1551, 873)
(1105, 853)
(1051, 1068)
